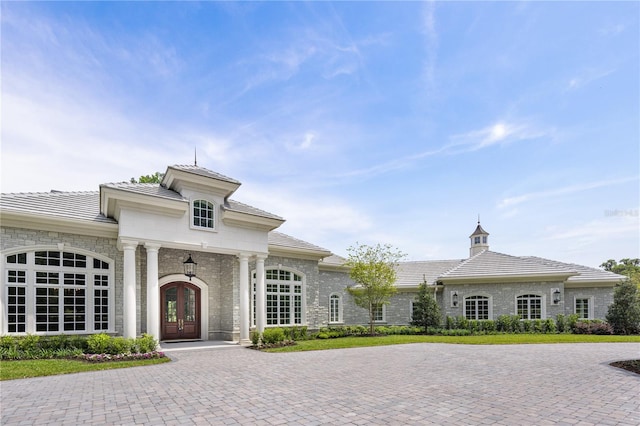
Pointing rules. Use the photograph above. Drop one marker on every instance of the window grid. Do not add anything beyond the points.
(378, 313)
(334, 308)
(582, 308)
(17, 309)
(283, 298)
(203, 214)
(61, 300)
(529, 306)
(476, 308)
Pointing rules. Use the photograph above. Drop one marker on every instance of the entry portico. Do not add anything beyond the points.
(189, 213)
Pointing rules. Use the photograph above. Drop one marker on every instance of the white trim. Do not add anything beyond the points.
(215, 210)
(303, 303)
(481, 294)
(340, 316)
(204, 298)
(590, 307)
(543, 303)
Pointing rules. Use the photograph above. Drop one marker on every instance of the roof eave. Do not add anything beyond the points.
(506, 277)
(58, 224)
(250, 221)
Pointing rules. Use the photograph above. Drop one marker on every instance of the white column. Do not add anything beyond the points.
(129, 248)
(244, 297)
(153, 291)
(261, 293)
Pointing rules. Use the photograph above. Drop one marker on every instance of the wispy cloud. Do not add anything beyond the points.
(510, 202)
(499, 133)
(587, 77)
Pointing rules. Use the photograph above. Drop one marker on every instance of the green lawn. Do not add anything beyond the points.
(49, 367)
(497, 339)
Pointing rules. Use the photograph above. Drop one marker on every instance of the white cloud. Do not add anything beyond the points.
(587, 77)
(510, 202)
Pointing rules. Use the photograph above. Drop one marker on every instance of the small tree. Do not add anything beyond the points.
(373, 269)
(624, 312)
(426, 311)
(154, 178)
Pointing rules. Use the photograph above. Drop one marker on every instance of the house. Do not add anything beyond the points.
(182, 260)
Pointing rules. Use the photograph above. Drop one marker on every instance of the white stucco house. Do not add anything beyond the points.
(116, 260)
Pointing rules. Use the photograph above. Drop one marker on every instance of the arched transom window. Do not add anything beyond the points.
(203, 214)
(335, 308)
(57, 291)
(476, 307)
(529, 306)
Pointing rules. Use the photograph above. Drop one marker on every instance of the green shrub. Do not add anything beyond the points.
(145, 344)
(503, 324)
(450, 323)
(30, 342)
(99, 343)
(255, 338)
(272, 335)
(561, 324)
(572, 320)
(322, 336)
(120, 345)
(550, 326)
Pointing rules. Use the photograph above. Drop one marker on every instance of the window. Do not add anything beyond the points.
(378, 313)
(484, 240)
(50, 291)
(476, 308)
(284, 298)
(335, 308)
(413, 310)
(476, 240)
(583, 308)
(203, 214)
(529, 306)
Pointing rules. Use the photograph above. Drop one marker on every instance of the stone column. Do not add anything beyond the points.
(261, 294)
(153, 291)
(244, 298)
(129, 248)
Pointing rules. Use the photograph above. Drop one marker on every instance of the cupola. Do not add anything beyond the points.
(479, 240)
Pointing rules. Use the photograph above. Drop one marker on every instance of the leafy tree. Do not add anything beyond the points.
(628, 267)
(624, 312)
(154, 178)
(426, 311)
(373, 269)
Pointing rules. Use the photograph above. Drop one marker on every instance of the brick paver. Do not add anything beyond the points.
(563, 384)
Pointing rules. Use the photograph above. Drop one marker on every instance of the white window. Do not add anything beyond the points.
(52, 291)
(476, 240)
(583, 307)
(379, 312)
(284, 298)
(529, 306)
(477, 308)
(335, 308)
(203, 214)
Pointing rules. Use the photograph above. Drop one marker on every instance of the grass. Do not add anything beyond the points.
(10, 370)
(496, 339)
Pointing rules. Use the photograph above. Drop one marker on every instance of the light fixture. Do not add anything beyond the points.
(454, 299)
(190, 267)
(556, 296)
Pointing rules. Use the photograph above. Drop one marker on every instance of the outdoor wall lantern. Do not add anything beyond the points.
(454, 299)
(190, 267)
(556, 296)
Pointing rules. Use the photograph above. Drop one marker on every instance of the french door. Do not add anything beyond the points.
(180, 311)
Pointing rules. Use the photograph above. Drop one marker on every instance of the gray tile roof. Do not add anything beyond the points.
(586, 273)
(239, 207)
(410, 274)
(479, 231)
(284, 240)
(333, 260)
(150, 189)
(201, 171)
(84, 206)
(490, 264)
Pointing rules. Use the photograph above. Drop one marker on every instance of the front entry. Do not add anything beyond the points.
(180, 311)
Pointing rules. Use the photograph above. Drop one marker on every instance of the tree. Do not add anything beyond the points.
(624, 312)
(628, 267)
(154, 178)
(373, 269)
(426, 311)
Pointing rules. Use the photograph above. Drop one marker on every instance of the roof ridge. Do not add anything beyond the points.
(52, 192)
(464, 262)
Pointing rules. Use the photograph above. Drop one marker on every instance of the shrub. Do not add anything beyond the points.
(272, 335)
(549, 326)
(30, 342)
(561, 324)
(99, 343)
(624, 312)
(145, 344)
(255, 338)
(503, 324)
(571, 321)
(592, 327)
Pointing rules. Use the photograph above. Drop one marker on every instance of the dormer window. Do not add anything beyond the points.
(203, 214)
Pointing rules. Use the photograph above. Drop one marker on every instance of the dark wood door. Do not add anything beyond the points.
(180, 311)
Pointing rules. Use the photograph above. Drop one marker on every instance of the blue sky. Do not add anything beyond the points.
(390, 122)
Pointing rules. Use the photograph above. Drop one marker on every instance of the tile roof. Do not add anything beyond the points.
(479, 231)
(491, 264)
(151, 189)
(201, 171)
(84, 206)
(333, 260)
(239, 207)
(411, 274)
(279, 239)
(586, 273)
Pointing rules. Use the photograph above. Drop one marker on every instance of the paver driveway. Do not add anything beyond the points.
(404, 384)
